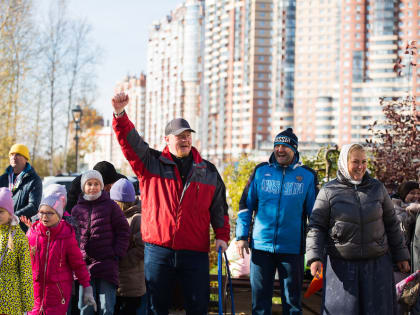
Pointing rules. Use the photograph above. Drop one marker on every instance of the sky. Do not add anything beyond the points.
(120, 28)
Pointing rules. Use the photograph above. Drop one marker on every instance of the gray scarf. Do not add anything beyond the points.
(92, 197)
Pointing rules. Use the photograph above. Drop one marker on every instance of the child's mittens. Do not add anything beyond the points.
(413, 207)
(88, 297)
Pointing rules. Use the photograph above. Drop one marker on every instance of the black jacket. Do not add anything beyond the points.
(27, 196)
(354, 222)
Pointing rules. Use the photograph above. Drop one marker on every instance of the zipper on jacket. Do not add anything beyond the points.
(278, 210)
(61, 255)
(63, 300)
(45, 268)
(187, 184)
(361, 220)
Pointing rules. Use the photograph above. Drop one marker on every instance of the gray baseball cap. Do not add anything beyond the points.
(177, 126)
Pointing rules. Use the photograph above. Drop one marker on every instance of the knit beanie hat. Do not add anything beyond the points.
(57, 201)
(108, 172)
(92, 174)
(20, 149)
(287, 138)
(55, 189)
(405, 188)
(6, 201)
(123, 190)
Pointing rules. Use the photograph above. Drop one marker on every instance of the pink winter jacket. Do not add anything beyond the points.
(55, 255)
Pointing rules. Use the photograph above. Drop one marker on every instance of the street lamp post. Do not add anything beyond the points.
(77, 117)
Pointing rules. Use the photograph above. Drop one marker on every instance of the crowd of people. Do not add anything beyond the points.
(108, 251)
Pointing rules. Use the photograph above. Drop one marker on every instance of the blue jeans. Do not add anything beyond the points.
(142, 310)
(263, 269)
(104, 293)
(163, 266)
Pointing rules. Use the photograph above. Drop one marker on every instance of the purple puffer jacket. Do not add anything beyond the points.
(104, 235)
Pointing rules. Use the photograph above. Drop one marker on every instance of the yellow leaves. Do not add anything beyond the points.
(235, 176)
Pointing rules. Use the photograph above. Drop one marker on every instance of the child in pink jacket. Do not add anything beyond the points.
(55, 255)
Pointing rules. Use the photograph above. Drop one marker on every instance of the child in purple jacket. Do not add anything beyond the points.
(103, 241)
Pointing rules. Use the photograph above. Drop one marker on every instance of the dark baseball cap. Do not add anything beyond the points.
(177, 126)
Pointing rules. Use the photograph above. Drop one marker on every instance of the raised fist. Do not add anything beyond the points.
(119, 101)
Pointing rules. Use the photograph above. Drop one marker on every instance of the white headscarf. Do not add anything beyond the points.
(343, 165)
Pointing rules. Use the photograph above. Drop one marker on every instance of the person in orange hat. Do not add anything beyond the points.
(24, 183)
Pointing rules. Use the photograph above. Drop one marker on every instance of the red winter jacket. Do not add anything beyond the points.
(55, 255)
(174, 215)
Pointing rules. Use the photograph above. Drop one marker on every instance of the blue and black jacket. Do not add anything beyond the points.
(282, 199)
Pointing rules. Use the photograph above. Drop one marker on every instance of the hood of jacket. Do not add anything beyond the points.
(136, 208)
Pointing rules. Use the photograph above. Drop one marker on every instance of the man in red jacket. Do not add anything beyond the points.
(181, 194)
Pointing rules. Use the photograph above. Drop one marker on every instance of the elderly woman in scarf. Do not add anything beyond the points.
(354, 234)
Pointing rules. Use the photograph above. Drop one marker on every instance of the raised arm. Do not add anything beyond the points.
(135, 150)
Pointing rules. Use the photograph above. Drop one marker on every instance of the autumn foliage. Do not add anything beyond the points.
(236, 176)
(395, 143)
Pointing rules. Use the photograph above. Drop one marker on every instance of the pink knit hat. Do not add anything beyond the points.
(57, 201)
(6, 201)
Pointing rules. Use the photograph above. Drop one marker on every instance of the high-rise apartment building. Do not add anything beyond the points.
(240, 71)
(283, 47)
(317, 60)
(135, 88)
(174, 71)
(109, 148)
(248, 75)
(345, 59)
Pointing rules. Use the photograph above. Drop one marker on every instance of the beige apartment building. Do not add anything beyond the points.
(345, 62)
(240, 71)
(106, 144)
(174, 71)
(245, 82)
(135, 88)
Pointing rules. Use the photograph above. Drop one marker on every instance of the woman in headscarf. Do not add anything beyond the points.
(355, 235)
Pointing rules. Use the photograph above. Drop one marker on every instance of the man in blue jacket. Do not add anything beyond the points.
(23, 182)
(280, 193)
